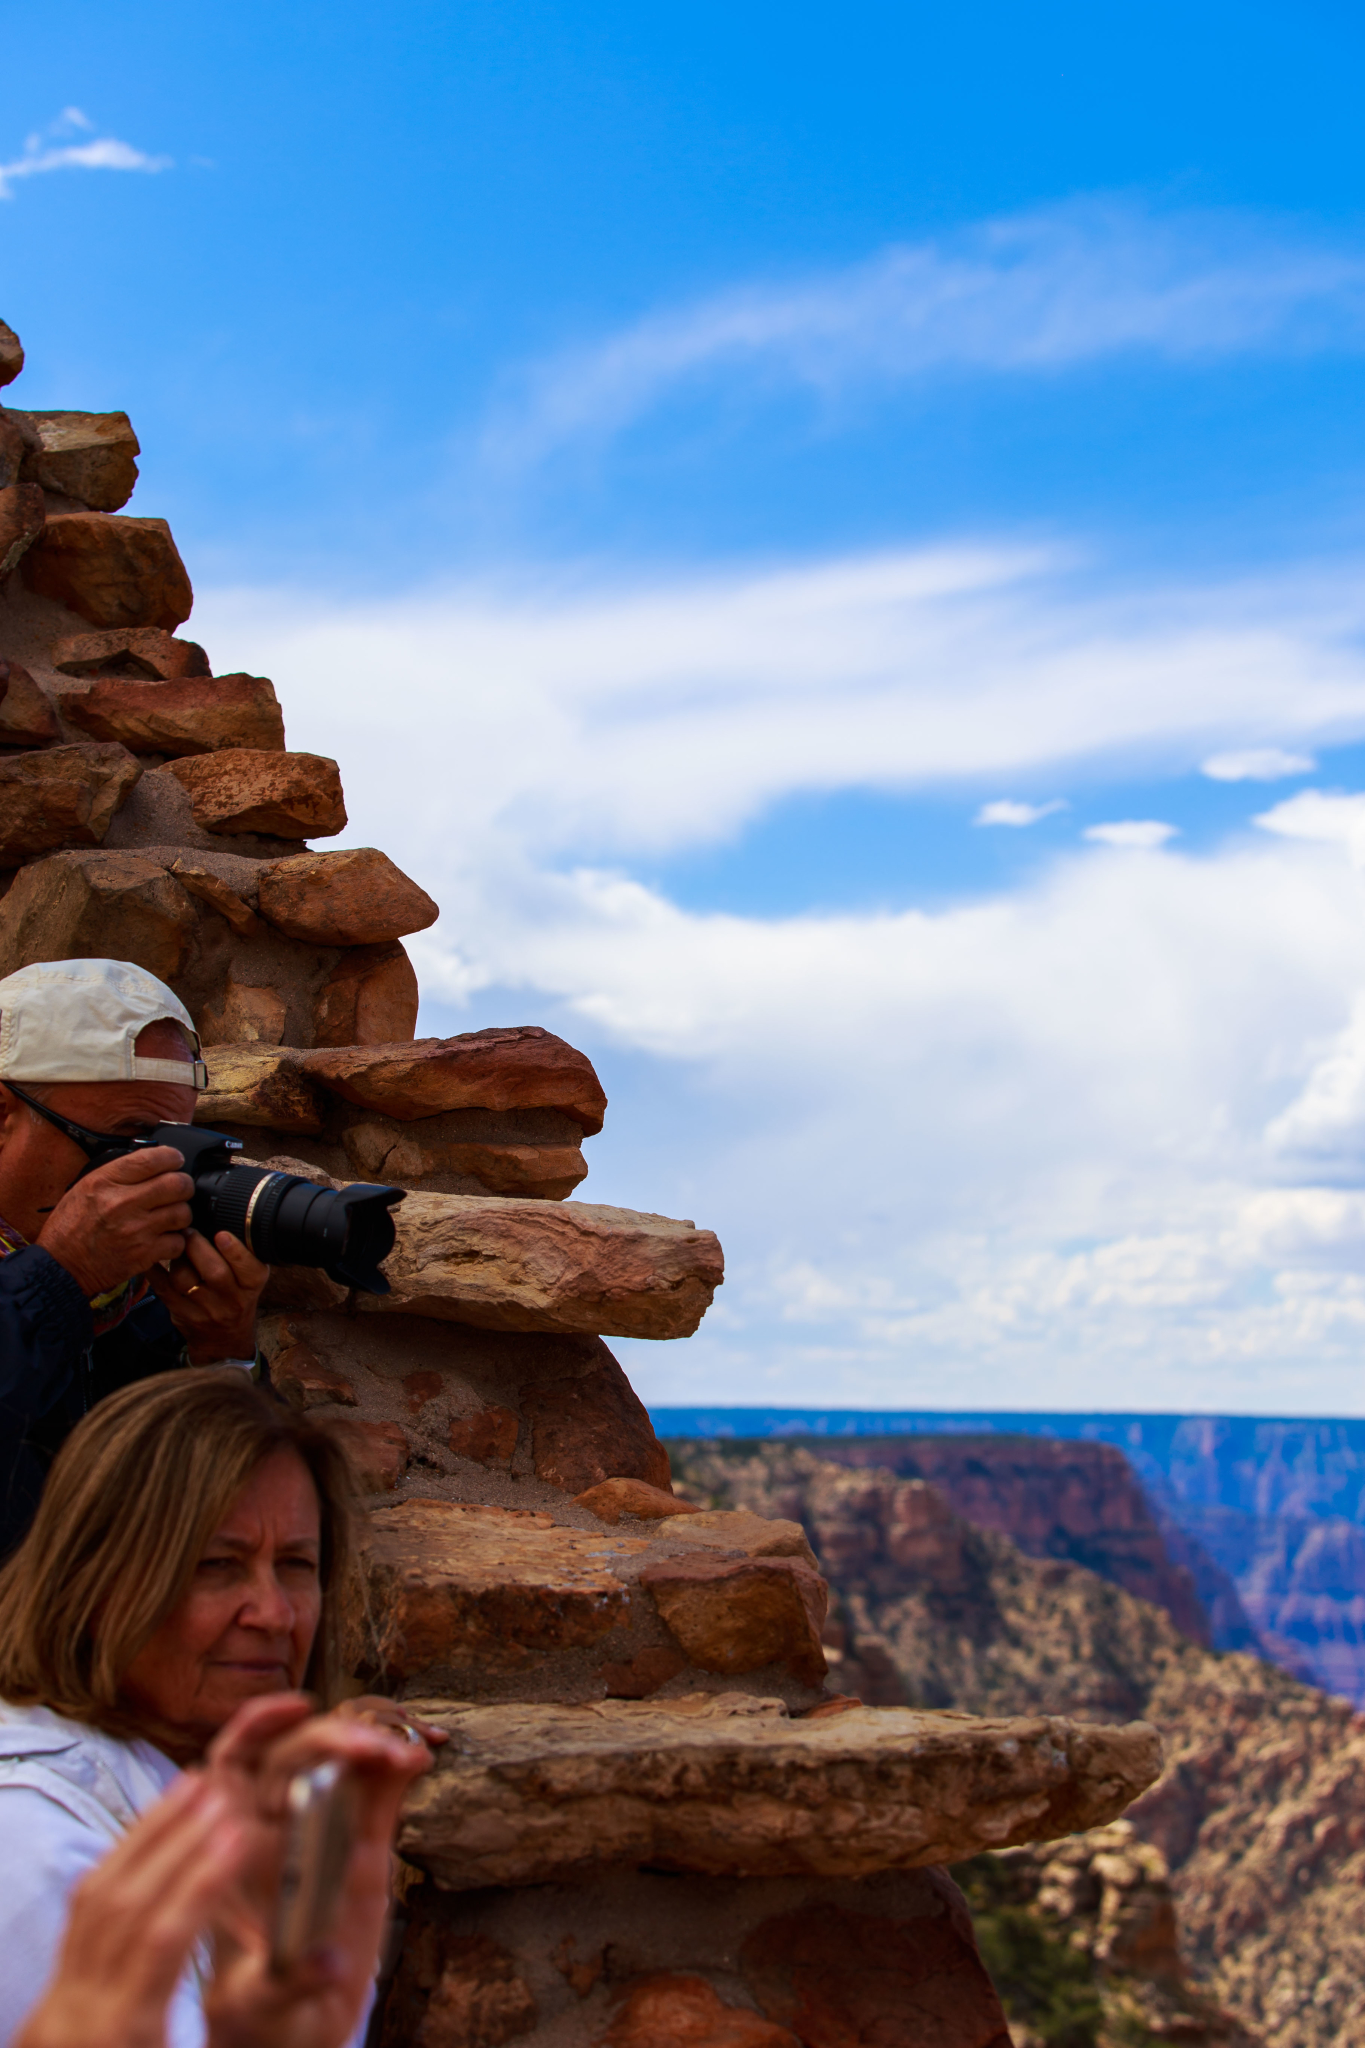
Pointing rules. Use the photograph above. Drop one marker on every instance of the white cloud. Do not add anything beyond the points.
(601, 722)
(1030, 293)
(1006, 811)
(1335, 820)
(1257, 764)
(1080, 1144)
(1138, 835)
(104, 153)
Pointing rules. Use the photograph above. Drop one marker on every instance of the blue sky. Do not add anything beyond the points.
(832, 542)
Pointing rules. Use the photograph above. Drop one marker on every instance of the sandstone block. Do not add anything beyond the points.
(455, 1585)
(593, 1428)
(11, 354)
(294, 796)
(90, 456)
(194, 717)
(22, 517)
(64, 796)
(738, 1615)
(647, 1670)
(112, 570)
(356, 898)
(735, 1532)
(139, 653)
(26, 717)
(403, 1152)
(518, 1068)
(14, 446)
(837, 1976)
(258, 1084)
(212, 889)
(670, 2010)
(84, 906)
(299, 1375)
(612, 1498)
(421, 1387)
(503, 1264)
(477, 2000)
(379, 1452)
(488, 1438)
(245, 1015)
(727, 1786)
(370, 998)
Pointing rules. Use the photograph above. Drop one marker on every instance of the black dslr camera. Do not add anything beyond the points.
(283, 1218)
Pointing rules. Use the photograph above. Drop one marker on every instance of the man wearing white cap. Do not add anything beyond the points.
(102, 1279)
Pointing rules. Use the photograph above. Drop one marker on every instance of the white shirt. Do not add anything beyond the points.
(67, 1792)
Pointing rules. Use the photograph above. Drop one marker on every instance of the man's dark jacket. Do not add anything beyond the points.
(53, 1368)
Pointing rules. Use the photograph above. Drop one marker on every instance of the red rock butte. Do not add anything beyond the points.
(656, 1825)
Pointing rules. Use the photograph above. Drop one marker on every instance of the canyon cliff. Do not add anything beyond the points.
(1258, 1821)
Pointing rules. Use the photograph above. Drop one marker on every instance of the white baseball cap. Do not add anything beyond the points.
(78, 1020)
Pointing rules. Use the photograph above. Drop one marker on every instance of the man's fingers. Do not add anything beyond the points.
(210, 1268)
(247, 1269)
(146, 1165)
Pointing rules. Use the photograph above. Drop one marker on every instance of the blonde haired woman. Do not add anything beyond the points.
(186, 1574)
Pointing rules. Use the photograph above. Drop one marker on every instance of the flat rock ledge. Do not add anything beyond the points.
(728, 1786)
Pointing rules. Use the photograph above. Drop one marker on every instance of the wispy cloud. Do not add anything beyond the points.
(1134, 835)
(1257, 764)
(1035, 292)
(47, 151)
(1006, 810)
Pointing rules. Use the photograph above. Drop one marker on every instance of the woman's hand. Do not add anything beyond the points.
(321, 2004)
(134, 1919)
(385, 1713)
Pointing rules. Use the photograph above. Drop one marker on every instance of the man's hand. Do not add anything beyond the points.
(212, 1294)
(121, 1219)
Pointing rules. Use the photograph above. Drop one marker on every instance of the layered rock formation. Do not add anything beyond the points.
(632, 1688)
(1259, 1816)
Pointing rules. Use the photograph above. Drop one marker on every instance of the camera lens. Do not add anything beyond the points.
(289, 1221)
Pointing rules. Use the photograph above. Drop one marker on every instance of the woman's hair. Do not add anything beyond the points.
(133, 1497)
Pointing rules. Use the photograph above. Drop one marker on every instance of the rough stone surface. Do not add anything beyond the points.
(603, 1951)
(101, 905)
(89, 456)
(592, 1428)
(192, 717)
(15, 441)
(378, 1450)
(670, 2010)
(733, 1616)
(220, 895)
(612, 1498)
(64, 796)
(519, 1068)
(299, 1375)
(356, 898)
(22, 516)
(295, 796)
(370, 998)
(728, 1786)
(111, 570)
(26, 717)
(488, 1438)
(573, 1266)
(456, 1585)
(255, 1084)
(385, 1150)
(135, 653)
(11, 354)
